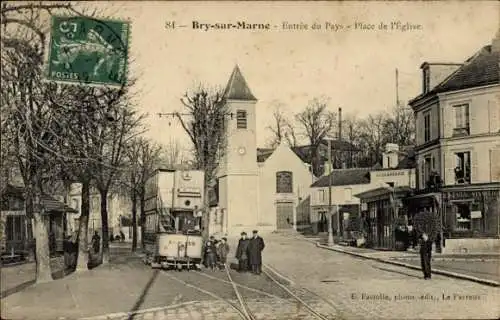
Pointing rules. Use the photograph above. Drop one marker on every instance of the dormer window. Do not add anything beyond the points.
(241, 119)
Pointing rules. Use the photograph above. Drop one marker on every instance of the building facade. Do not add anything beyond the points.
(256, 188)
(119, 212)
(16, 228)
(348, 184)
(458, 149)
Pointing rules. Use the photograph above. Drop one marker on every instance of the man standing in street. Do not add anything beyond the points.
(255, 248)
(426, 227)
(242, 253)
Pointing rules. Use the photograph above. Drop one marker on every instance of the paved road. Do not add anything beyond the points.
(345, 288)
(365, 289)
(126, 285)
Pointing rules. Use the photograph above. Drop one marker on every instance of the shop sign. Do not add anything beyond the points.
(460, 195)
(391, 173)
(13, 213)
(475, 214)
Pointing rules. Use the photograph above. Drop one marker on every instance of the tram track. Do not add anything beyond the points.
(241, 307)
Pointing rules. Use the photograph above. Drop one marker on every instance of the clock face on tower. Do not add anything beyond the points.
(242, 150)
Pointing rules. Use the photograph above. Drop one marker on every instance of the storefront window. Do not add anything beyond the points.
(14, 228)
(463, 214)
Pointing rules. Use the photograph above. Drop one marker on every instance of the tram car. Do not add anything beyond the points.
(172, 221)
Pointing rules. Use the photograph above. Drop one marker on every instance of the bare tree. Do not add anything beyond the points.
(372, 138)
(143, 157)
(112, 141)
(400, 126)
(30, 122)
(206, 129)
(95, 124)
(281, 129)
(172, 155)
(317, 122)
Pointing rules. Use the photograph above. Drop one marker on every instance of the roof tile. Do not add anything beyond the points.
(482, 69)
(344, 177)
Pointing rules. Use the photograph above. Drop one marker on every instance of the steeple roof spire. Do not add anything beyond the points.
(237, 88)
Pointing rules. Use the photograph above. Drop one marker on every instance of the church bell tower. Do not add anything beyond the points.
(238, 174)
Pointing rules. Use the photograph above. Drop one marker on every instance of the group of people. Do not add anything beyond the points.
(248, 253)
(215, 253)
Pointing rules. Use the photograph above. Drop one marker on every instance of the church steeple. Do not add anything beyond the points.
(237, 88)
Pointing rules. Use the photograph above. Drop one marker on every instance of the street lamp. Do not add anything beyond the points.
(330, 182)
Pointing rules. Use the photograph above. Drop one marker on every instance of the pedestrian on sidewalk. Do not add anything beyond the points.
(242, 253)
(223, 251)
(255, 248)
(426, 227)
(122, 236)
(96, 242)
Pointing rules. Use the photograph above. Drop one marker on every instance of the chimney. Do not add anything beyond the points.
(434, 73)
(340, 124)
(495, 43)
(390, 158)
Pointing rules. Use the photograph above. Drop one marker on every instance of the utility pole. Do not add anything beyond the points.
(397, 88)
(394, 138)
(330, 175)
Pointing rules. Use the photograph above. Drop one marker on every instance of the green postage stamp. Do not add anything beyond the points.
(89, 51)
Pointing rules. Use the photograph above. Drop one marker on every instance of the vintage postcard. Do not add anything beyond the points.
(250, 160)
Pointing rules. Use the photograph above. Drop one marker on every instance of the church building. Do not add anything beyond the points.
(253, 194)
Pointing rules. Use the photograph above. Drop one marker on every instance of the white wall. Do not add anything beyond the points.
(484, 109)
(117, 205)
(484, 115)
(340, 194)
(481, 162)
(433, 109)
(282, 159)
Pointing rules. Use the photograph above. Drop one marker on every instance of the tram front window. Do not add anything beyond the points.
(167, 224)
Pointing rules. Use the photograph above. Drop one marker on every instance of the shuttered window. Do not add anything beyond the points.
(462, 167)
(241, 119)
(462, 121)
(427, 126)
(495, 165)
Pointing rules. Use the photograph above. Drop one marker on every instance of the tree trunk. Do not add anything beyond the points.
(206, 212)
(42, 251)
(83, 233)
(105, 226)
(142, 217)
(43, 270)
(134, 221)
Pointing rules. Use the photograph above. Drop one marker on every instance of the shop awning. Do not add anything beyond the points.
(382, 192)
(50, 204)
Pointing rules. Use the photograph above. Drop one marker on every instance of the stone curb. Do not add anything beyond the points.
(406, 265)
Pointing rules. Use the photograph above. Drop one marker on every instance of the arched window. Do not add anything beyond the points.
(284, 182)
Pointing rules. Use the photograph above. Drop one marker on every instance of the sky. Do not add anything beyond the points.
(354, 68)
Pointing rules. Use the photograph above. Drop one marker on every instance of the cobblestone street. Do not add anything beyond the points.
(337, 285)
(365, 289)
